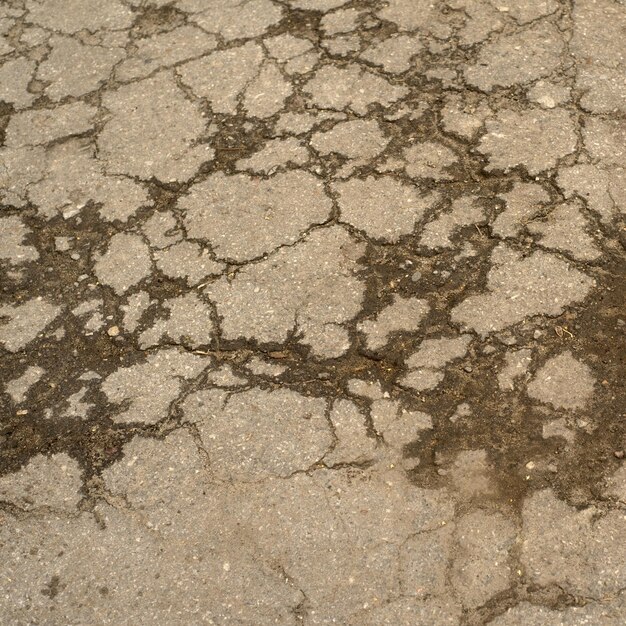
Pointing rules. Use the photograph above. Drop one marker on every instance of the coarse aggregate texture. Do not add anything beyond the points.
(313, 312)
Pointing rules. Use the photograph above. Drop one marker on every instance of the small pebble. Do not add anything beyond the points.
(75, 256)
(114, 331)
(618, 454)
(547, 102)
(416, 276)
(62, 244)
(464, 409)
(71, 212)
(468, 368)
(409, 464)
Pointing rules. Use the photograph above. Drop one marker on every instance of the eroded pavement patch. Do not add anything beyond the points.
(312, 312)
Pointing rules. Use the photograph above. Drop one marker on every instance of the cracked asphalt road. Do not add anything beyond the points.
(313, 312)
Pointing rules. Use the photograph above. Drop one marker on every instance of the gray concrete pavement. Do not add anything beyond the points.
(313, 312)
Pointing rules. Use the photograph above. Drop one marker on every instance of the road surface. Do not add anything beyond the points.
(313, 312)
